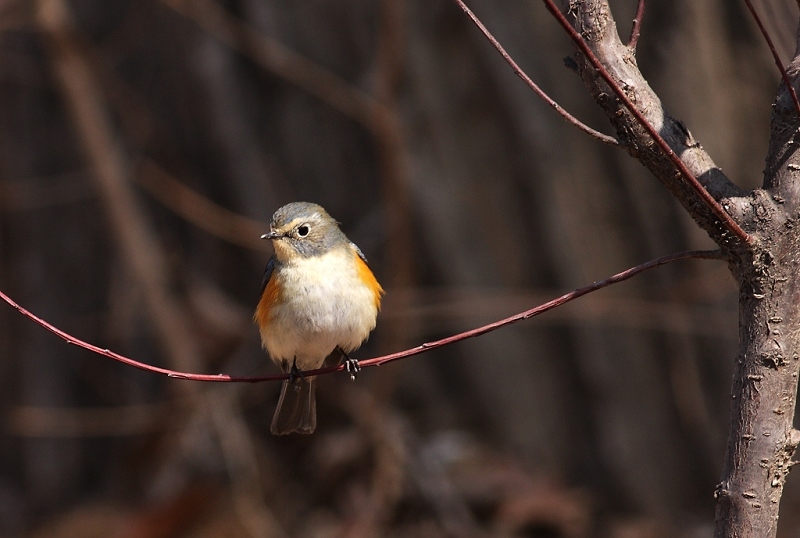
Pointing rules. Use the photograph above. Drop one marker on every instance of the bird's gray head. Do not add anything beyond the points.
(303, 229)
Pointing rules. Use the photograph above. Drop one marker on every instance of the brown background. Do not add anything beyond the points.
(472, 200)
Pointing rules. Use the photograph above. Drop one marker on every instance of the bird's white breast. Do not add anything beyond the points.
(323, 304)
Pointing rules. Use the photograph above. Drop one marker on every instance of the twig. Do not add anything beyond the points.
(636, 29)
(137, 419)
(695, 185)
(377, 423)
(240, 455)
(433, 308)
(392, 146)
(105, 157)
(199, 210)
(768, 39)
(378, 361)
(137, 240)
(280, 60)
(610, 140)
(567, 297)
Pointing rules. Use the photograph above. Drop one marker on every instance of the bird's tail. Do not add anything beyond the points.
(297, 408)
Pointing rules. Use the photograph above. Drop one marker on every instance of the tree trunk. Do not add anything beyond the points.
(761, 438)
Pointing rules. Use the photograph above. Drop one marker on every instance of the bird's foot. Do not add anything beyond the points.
(352, 366)
(295, 373)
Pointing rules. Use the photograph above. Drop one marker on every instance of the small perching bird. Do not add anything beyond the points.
(319, 300)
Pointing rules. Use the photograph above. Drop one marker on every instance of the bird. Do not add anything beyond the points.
(319, 302)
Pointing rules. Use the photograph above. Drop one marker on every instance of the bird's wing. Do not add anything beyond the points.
(267, 274)
(358, 250)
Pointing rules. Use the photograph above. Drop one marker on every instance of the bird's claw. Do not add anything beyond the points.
(295, 373)
(352, 367)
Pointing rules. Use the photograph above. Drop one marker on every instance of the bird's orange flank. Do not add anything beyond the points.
(369, 279)
(270, 297)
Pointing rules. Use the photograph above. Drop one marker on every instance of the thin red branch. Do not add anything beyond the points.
(377, 361)
(637, 26)
(125, 360)
(771, 45)
(610, 140)
(704, 195)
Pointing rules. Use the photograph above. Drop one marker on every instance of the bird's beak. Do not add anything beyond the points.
(270, 235)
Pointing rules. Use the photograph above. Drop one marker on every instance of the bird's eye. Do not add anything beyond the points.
(303, 230)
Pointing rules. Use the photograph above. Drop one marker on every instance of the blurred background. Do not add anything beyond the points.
(144, 145)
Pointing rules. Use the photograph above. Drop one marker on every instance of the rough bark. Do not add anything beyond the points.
(761, 438)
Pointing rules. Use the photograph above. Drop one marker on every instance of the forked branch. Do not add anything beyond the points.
(604, 37)
(761, 438)
(690, 191)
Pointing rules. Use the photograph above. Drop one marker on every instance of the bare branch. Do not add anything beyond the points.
(567, 297)
(136, 419)
(768, 39)
(139, 244)
(104, 154)
(637, 26)
(282, 61)
(377, 361)
(198, 209)
(598, 24)
(610, 140)
(761, 437)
